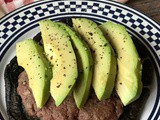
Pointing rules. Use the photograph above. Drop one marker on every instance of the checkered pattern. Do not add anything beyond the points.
(123, 16)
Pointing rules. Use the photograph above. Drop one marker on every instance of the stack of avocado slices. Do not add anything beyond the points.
(73, 59)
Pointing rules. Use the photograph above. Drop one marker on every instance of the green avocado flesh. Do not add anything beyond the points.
(103, 56)
(66, 63)
(85, 63)
(30, 56)
(129, 85)
(59, 51)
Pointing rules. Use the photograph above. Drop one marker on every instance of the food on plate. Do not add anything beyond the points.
(85, 64)
(30, 56)
(104, 58)
(72, 60)
(59, 51)
(129, 84)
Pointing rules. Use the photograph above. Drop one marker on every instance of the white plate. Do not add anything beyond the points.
(23, 23)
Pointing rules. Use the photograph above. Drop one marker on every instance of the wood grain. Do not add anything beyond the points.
(149, 7)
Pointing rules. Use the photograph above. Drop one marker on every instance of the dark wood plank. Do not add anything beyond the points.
(149, 7)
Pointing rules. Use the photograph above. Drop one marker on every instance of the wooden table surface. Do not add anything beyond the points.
(149, 7)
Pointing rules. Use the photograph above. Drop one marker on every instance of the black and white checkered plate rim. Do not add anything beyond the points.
(18, 22)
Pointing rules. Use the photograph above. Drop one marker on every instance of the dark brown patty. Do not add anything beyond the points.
(109, 109)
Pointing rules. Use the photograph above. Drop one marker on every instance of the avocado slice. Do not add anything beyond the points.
(129, 85)
(103, 55)
(85, 63)
(59, 51)
(31, 57)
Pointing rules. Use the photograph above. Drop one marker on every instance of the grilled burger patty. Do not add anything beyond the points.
(109, 109)
(21, 104)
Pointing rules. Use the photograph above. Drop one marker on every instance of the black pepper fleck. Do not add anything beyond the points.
(69, 86)
(105, 44)
(59, 85)
(66, 45)
(51, 57)
(90, 33)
